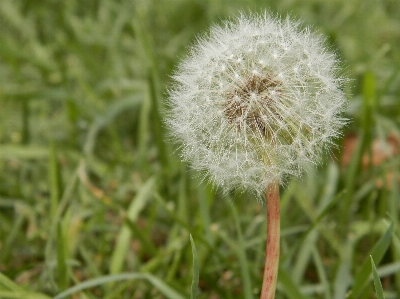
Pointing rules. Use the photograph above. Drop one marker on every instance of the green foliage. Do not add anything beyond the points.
(94, 201)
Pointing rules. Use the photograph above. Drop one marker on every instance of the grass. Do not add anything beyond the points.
(96, 204)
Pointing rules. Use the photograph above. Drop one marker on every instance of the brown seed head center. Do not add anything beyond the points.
(251, 102)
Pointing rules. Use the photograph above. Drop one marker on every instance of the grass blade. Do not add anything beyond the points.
(195, 281)
(137, 205)
(156, 282)
(377, 281)
(8, 284)
(288, 285)
(241, 254)
(9, 289)
(54, 180)
(377, 254)
(22, 295)
(62, 270)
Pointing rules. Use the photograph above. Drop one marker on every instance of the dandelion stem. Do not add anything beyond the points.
(272, 248)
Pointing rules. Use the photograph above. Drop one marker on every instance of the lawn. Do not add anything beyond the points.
(95, 202)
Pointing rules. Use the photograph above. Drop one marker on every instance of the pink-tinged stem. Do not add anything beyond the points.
(272, 249)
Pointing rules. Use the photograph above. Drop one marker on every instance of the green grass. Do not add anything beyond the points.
(94, 202)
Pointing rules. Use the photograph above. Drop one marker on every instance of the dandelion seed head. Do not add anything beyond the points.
(255, 101)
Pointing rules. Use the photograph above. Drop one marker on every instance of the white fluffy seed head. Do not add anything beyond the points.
(256, 100)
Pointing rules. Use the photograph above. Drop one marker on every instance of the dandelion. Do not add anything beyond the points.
(255, 101)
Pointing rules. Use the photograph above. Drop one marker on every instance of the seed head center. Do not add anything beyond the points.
(251, 103)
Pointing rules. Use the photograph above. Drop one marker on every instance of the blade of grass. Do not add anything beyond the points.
(205, 198)
(350, 179)
(122, 244)
(183, 211)
(142, 132)
(394, 217)
(174, 260)
(389, 269)
(25, 132)
(195, 281)
(8, 284)
(157, 123)
(22, 295)
(62, 270)
(321, 270)
(9, 151)
(369, 105)
(286, 285)
(7, 246)
(343, 274)
(377, 253)
(156, 282)
(154, 89)
(50, 246)
(377, 281)
(54, 180)
(9, 289)
(240, 250)
(303, 257)
(315, 223)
